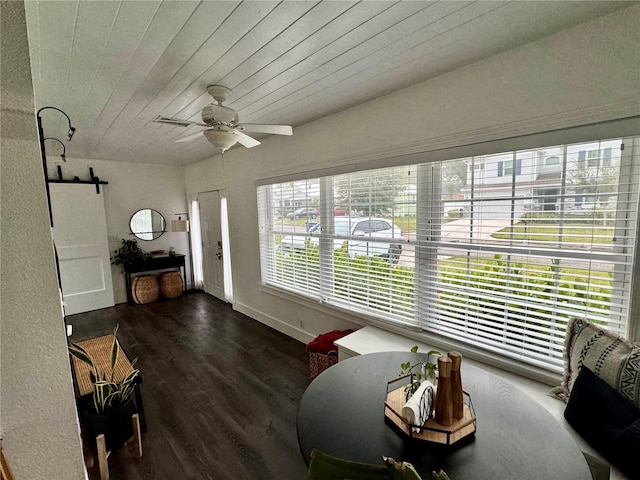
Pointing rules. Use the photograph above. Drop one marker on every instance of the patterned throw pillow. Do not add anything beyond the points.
(610, 357)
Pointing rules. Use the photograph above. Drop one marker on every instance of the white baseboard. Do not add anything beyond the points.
(274, 323)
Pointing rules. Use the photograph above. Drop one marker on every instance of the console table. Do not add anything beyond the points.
(157, 262)
(342, 413)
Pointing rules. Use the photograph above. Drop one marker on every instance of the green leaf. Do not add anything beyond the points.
(96, 405)
(100, 392)
(110, 400)
(414, 349)
(132, 376)
(80, 353)
(107, 393)
(114, 351)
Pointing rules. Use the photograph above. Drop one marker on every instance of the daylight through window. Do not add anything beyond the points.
(497, 251)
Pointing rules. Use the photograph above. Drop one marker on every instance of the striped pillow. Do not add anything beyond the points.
(610, 357)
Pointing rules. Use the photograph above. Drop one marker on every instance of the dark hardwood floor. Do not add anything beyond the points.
(220, 390)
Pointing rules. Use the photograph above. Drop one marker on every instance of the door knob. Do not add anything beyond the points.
(219, 255)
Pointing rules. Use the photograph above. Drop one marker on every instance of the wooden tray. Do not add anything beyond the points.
(431, 431)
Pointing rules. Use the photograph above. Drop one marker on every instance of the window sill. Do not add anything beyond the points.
(486, 359)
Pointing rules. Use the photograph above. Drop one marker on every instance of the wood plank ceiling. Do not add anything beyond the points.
(113, 66)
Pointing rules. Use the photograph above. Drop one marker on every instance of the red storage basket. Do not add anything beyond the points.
(323, 353)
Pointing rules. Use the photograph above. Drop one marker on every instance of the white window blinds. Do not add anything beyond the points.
(497, 251)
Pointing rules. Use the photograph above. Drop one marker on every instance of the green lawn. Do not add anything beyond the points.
(551, 233)
(406, 224)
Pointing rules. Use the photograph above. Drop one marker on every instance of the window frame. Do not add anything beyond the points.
(373, 320)
(593, 158)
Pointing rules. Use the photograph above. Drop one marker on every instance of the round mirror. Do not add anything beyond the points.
(147, 224)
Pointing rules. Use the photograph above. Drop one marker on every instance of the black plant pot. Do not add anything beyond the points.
(115, 424)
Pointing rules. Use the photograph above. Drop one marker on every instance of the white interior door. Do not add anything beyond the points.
(80, 237)
(211, 231)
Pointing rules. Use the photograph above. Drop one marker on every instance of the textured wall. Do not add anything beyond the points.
(586, 74)
(39, 425)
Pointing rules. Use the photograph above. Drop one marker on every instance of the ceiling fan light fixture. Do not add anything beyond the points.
(212, 114)
(223, 129)
(221, 139)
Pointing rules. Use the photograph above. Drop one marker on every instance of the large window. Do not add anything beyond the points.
(497, 251)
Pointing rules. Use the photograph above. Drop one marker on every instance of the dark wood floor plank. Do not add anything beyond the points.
(220, 390)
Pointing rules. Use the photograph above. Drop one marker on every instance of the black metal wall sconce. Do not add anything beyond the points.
(64, 149)
(94, 180)
(71, 131)
(43, 153)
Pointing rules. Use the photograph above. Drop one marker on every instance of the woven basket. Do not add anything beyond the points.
(145, 289)
(171, 284)
(319, 362)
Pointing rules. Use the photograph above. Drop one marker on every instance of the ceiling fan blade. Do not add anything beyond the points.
(177, 121)
(273, 129)
(246, 140)
(188, 138)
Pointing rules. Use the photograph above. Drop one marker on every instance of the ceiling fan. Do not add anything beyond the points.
(221, 123)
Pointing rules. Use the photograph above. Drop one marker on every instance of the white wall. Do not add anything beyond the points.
(132, 186)
(584, 75)
(39, 425)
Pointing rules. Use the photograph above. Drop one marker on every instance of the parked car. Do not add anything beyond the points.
(339, 211)
(304, 212)
(349, 227)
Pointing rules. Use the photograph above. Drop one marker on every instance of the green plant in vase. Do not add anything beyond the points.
(107, 393)
(129, 253)
(419, 371)
(111, 406)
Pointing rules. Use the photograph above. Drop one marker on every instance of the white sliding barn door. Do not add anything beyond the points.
(212, 262)
(80, 237)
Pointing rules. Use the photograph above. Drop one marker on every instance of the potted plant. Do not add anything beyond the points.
(129, 253)
(420, 370)
(111, 405)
